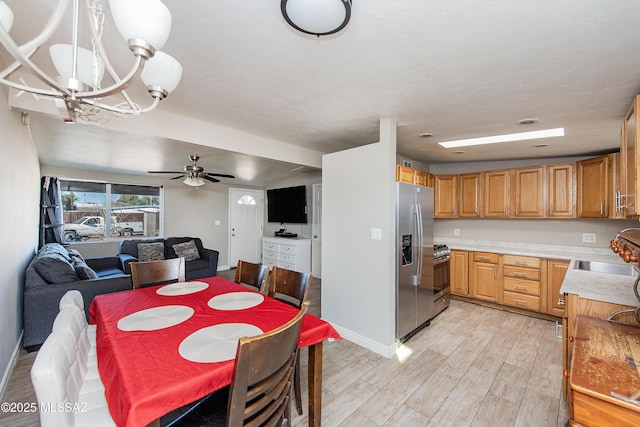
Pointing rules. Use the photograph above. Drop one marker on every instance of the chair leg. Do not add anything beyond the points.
(296, 385)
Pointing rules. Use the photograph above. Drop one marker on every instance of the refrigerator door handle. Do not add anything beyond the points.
(420, 244)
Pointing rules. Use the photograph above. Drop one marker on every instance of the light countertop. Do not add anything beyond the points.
(611, 288)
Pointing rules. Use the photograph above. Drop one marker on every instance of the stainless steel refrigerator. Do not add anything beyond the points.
(414, 265)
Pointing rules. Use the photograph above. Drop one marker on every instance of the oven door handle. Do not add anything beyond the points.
(441, 261)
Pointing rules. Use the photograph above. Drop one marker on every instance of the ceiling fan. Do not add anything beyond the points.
(195, 175)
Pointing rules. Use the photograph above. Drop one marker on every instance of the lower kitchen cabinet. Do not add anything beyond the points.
(556, 270)
(459, 272)
(523, 281)
(484, 277)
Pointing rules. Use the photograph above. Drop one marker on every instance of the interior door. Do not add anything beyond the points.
(316, 232)
(246, 217)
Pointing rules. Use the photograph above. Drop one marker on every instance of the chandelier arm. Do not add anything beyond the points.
(125, 111)
(34, 90)
(119, 86)
(16, 52)
(29, 48)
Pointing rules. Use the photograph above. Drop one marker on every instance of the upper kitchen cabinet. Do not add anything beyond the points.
(596, 187)
(561, 190)
(529, 192)
(410, 175)
(629, 182)
(445, 192)
(497, 191)
(470, 195)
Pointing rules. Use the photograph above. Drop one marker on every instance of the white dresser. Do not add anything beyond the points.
(292, 254)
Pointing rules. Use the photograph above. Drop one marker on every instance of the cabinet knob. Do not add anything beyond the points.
(570, 338)
(565, 373)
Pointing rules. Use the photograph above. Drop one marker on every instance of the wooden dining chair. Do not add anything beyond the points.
(291, 287)
(260, 391)
(254, 275)
(157, 272)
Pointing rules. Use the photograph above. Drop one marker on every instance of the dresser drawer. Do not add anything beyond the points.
(270, 247)
(487, 257)
(287, 258)
(528, 302)
(285, 249)
(522, 261)
(270, 255)
(270, 262)
(521, 272)
(522, 286)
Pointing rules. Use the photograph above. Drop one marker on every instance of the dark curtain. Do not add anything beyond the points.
(51, 224)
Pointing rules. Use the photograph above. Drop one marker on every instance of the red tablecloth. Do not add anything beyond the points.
(143, 373)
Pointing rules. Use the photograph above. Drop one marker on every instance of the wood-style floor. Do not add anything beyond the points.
(473, 366)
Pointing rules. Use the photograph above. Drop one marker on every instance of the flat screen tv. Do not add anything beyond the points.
(287, 205)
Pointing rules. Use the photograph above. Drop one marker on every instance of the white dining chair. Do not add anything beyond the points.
(73, 298)
(71, 320)
(63, 396)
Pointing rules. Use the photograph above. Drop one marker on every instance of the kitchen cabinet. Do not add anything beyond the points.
(593, 187)
(496, 193)
(444, 193)
(561, 193)
(523, 281)
(601, 365)
(556, 270)
(469, 195)
(410, 175)
(485, 277)
(530, 189)
(629, 154)
(459, 272)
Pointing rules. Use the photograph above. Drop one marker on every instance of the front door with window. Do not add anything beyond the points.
(246, 216)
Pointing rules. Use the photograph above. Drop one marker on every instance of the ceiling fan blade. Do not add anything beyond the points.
(208, 178)
(222, 175)
(178, 177)
(165, 171)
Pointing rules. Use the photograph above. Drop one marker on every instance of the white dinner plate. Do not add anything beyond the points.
(155, 318)
(236, 300)
(182, 288)
(216, 343)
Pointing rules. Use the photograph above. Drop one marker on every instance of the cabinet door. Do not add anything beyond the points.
(420, 178)
(593, 183)
(556, 270)
(404, 174)
(629, 159)
(470, 194)
(561, 191)
(530, 191)
(459, 272)
(496, 189)
(484, 281)
(445, 188)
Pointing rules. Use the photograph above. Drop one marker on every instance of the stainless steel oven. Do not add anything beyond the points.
(441, 282)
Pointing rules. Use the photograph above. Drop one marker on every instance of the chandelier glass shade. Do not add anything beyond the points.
(316, 17)
(78, 86)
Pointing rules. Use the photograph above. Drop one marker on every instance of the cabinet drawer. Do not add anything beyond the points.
(270, 255)
(287, 249)
(287, 258)
(521, 272)
(528, 302)
(270, 247)
(270, 262)
(522, 286)
(485, 257)
(523, 261)
(287, 265)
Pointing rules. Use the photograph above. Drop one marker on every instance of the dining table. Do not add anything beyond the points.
(162, 347)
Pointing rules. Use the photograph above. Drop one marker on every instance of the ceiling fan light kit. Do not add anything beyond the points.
(316, 17)
(77, 90)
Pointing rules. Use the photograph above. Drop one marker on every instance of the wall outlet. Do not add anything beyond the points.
(588, 237)
(456, 231)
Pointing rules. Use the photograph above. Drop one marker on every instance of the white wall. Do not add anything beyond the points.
(19, 221)
(358, 273)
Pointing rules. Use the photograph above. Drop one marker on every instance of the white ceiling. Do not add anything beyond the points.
(453, 68)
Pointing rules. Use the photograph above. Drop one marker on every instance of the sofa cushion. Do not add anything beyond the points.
(83, 270)
(54, 268)
(188, 250)
(130, 246)
(150, 251)
(171, 241)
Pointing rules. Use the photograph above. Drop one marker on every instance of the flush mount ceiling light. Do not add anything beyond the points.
(316, 17)
(77, 90)
(522, 136)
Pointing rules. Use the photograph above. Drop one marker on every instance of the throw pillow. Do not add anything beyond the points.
(150, 251)
(188, 250)
(84, 271)
(55, 269)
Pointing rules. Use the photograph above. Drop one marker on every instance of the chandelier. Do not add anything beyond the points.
(316, 17)
(77, 90)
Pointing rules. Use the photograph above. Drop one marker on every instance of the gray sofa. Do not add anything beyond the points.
(56, 270)
(204, 264)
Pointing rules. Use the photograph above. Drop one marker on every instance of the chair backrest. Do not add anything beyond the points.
(71, 320)
(261, 385)
(72, 298)
(289, 286)
(252, 274)
(52, 379)
(157, 272)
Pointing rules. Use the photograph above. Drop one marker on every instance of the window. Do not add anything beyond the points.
(134, 211)
(246, 200)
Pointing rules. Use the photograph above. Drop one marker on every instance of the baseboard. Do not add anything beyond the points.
(223, 267)
(384, 351)
(10, 366)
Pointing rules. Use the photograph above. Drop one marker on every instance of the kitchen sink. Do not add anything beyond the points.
(606, 267)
